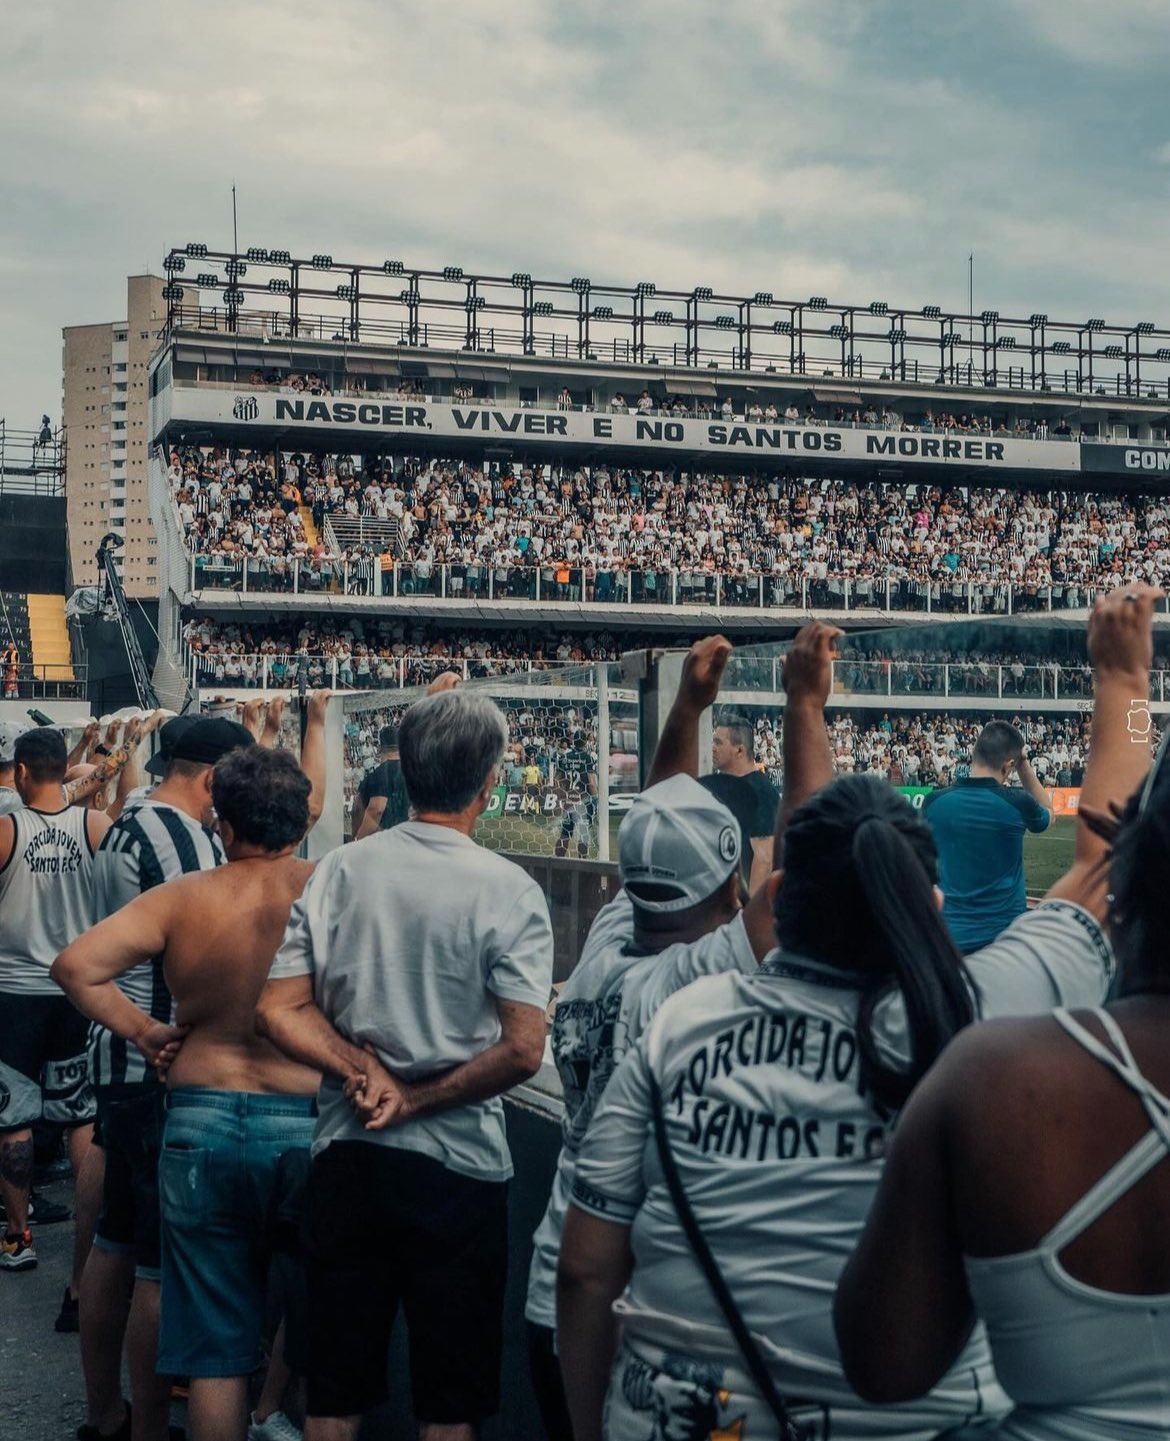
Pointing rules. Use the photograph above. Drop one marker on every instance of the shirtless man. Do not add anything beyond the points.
(236, 1104)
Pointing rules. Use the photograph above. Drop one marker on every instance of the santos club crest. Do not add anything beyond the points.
(246, 407)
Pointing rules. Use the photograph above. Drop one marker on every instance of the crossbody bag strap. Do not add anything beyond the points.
(710, 1268)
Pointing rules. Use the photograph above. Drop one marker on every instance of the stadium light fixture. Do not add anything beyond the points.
(322, 262)
(521, 279)
(1094, 325)
(543, 307)
(235, 268)
(174, 263)
(1163, 354)
(897, 337)
(989, 317)
(645, 287)
(1113, 352)
(818, 302)
(1061, 347)
(763, 297)
(702, 292)
(279, 257)
(726, 322)
(346, 292)
(197, 252)
(207, 281)
(931, 312)
(1005, 342)
(278, 287)
(580, 283)
(663, 317)
(476, 302)
(172, 292)
(782, 327)
(393, 267)
(233, 297)
(452, 272)
(257, 253)
(1144, 327)
(1037, 320)
(839, 332)
(878, 307)
(408, 297)
(952, 337)
(603, 312)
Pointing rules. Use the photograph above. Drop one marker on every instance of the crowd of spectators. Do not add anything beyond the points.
(910, 749)
(748, 406)
(583, 530)
(371, 652)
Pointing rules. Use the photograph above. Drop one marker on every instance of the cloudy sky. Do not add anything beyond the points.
(855, 148)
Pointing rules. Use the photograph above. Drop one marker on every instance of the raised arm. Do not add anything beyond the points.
(1031, 784)
(1121, 649)
(678, 745)
(87, 739)
(808, 758)
(313, 754)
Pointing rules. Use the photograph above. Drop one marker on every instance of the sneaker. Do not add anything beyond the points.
(45, 1212)
(17, 1252)
(69, 1316)
(276, 1427)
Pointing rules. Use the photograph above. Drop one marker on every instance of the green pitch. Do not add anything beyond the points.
(1049, 855)
(1046, 856)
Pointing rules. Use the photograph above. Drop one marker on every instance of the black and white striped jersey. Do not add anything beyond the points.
(147, 845)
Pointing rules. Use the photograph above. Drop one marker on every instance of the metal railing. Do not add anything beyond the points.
(61, 681)
(960, 369)
(894, 679)
(277, 671)
(657, 589)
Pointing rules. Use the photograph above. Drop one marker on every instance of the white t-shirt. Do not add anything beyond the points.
(780, 1153)
(411, 936)
(605, 1006)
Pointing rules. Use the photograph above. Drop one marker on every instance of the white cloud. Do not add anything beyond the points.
(744, 145)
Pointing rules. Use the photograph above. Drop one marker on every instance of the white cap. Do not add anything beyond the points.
(678, 836)
(10, 733)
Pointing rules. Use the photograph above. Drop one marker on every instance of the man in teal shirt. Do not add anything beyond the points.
(979, 826)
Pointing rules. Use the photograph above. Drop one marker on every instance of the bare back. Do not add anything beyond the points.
(220, 948)
(1038, 1122)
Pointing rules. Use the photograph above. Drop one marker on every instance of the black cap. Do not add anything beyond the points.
(168, 739)
(210, 739)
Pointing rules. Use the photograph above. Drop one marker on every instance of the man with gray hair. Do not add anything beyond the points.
(414, 975)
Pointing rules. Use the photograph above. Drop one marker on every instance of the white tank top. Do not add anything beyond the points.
(1081, 1364)
(46, 897)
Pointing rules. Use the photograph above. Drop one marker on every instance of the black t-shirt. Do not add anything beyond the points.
(385, 780)
(576, 766)
(752, 800)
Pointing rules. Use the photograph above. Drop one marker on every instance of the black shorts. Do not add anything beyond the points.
(385, 1226)
(44, 1038)
(129, 1131)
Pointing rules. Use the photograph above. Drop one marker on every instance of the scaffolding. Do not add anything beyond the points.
(32, 462)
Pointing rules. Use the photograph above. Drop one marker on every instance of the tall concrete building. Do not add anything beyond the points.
(104, 405)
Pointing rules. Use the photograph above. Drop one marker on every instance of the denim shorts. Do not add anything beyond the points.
(219, 1181)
